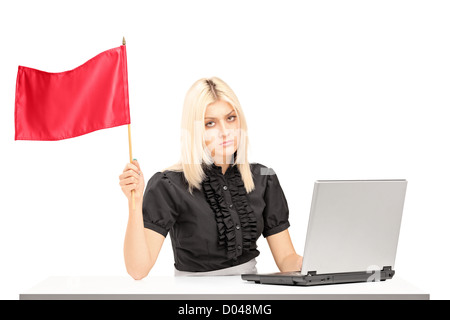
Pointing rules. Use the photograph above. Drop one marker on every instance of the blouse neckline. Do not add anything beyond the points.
(218, 169)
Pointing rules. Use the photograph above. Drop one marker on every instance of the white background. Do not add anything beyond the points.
(330, 89)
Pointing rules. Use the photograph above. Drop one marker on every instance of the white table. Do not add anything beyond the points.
(211, 288)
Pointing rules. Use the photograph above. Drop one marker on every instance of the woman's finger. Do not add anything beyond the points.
(131, 166)
(129, 180)
(129, 173)
(136, 163)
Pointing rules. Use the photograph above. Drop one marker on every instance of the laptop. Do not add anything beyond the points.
(352, 234)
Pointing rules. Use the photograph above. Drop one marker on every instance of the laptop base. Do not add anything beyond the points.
(313, 279)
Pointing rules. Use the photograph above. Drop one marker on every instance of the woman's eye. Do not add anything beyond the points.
(208, 123)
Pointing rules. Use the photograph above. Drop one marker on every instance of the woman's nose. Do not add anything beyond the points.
(224, 131)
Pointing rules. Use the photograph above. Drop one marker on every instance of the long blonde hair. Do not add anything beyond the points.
(202, 93)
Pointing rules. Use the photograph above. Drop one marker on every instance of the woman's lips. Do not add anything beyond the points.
(226, 143)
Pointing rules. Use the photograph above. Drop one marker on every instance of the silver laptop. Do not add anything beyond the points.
(352, 234)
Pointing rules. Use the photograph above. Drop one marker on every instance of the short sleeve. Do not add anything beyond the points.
(159, 204)
(276, 211)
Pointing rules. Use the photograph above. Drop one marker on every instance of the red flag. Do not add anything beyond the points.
(56, 106)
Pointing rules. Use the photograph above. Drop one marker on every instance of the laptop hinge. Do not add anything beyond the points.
(311, 273)
(388, 272)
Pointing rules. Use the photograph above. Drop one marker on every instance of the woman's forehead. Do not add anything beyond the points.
(218, 109)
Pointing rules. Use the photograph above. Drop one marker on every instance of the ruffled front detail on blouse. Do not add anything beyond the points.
(246, 216)
(213, 189)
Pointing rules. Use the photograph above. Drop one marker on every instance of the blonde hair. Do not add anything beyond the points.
(194, 152)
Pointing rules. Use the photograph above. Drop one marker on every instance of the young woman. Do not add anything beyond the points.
(213, 202)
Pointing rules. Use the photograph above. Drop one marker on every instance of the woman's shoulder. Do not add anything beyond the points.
(166, 174)
(261, 169)
(172, 175)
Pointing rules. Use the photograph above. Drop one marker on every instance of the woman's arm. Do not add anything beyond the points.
(142, 246)
(283, 252)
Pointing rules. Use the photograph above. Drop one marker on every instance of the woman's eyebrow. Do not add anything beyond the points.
(225, 116)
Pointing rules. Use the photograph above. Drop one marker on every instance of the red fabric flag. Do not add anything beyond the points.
(56, 106)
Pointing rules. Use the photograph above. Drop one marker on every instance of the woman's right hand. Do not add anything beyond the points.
(132, 178)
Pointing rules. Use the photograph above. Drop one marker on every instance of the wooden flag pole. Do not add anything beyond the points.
(133, 205)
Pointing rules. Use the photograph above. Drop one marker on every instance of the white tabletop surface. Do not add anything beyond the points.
(218, 287)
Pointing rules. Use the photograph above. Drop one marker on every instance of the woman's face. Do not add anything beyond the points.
(221, 126)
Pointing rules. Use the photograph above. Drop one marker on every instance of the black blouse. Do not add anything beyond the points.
(216, 227)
